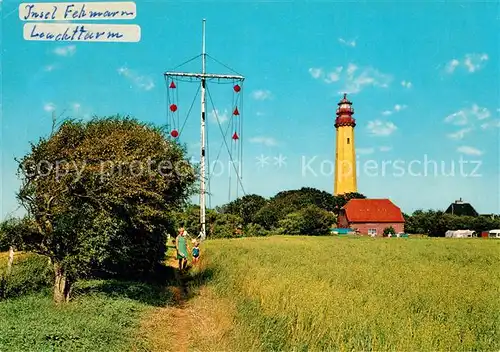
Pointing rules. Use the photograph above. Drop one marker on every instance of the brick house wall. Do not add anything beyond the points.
(363, 227)
(379, 226)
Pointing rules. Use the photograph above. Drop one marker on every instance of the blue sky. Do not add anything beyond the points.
(423, 79)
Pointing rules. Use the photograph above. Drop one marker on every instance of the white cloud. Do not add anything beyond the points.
(267, 141)
(365, 77)
(49, 107)
(334, 76)
(460, 134)
(216, 115)
(452, 65)
(469, 150)
(354, 78)
(406, 84)
(351, 43)
(351, 68)
(480, 113)
(380, 128)
(491, 124)
(365, 150)
(68, 50)
(397, 108)
(472, 62)
(458, 118)
(49, 68)
(261, 94)
(385, 149)
(464, 116)
(316, 72)
(140, 81)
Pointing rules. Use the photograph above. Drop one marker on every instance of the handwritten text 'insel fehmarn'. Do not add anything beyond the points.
(76, 11)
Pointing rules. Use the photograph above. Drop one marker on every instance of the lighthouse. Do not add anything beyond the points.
(345, 155)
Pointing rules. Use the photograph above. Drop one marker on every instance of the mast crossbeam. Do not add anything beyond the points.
(203, 75)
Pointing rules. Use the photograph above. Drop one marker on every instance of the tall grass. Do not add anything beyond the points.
(104, 315)
(297, 293)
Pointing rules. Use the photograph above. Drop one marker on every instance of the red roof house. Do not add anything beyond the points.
(371, 216)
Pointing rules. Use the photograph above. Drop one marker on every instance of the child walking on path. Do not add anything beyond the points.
(196, 253)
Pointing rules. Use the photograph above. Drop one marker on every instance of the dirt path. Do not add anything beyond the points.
(198, 324)
(167, 328)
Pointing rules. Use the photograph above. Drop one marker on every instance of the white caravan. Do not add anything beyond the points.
(494, 234)
(460, 234)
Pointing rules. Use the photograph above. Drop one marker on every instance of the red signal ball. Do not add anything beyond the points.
(237, 88)
(174, 133)
(173, 108)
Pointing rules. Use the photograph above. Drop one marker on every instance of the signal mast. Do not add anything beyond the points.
(203, 76)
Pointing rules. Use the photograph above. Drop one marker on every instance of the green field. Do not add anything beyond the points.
(379, 294)
(290, 293)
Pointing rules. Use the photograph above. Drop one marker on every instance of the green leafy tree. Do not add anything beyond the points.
(286, 202)
(245, 207)
(100, 195)
(310, 220)
(252, 229)
(225, 226)
(267, 216)
(389, 230)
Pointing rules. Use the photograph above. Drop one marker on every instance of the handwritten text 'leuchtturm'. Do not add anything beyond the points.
(82, 32)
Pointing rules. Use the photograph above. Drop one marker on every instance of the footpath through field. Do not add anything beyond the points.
(197, 321)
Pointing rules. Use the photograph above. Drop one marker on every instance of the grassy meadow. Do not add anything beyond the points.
(283, 293)
(103, 315)
(303, 293)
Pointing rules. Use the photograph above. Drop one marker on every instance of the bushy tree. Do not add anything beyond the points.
(310, 220)
(225, 226)
(100, 194)
(389, 230)
(267, 216)
(252, 230)
(245, 207)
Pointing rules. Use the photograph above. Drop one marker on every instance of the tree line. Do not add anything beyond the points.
(310, 211)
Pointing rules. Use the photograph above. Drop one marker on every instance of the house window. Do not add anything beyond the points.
(348, 141)
(372, 232)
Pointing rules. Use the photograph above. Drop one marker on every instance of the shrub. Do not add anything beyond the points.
(389, 230)
(225, 226)
(310, 220)
(252, 230)
(31, 274)
(292, 224)
(4, 244)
